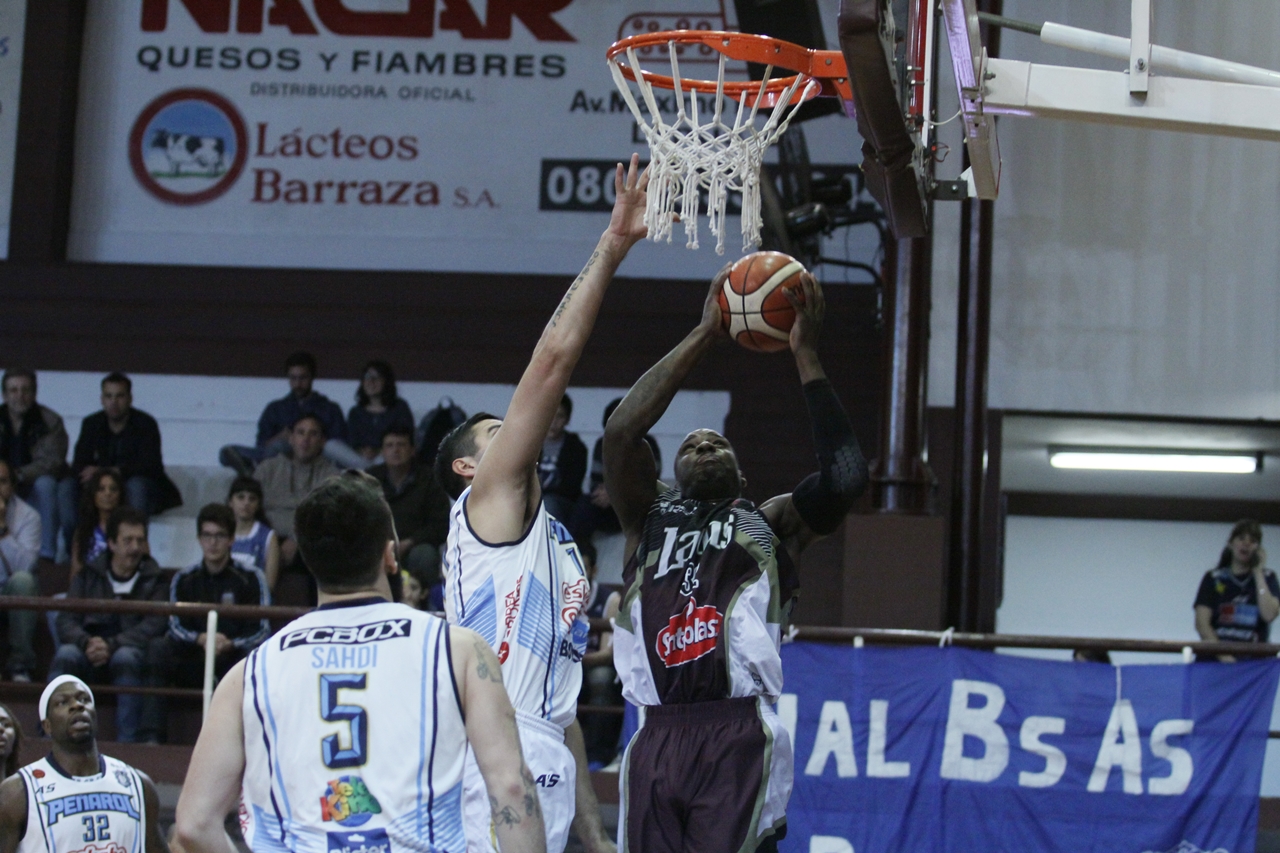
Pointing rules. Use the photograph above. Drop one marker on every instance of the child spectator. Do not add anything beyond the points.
(256, 545)
(102, 494)
(377, 410)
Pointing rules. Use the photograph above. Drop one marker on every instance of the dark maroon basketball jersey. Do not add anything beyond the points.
(707, 592)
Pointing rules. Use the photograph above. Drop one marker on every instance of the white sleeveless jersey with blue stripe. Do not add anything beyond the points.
(525, 598)
(353, 735)
(105, 813)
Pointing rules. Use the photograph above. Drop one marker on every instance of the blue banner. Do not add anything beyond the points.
(928, 749)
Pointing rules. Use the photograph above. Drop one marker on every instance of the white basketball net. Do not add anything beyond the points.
(689, 155)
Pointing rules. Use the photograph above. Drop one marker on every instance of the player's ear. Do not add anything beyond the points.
(389, 564)
(742, 483)
(464, 466)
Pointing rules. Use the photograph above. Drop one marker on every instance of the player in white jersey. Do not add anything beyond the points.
(511, 571)
(76, 800)
(346, 732)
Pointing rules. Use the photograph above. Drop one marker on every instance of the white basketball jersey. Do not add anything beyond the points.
(105, 813)
(353, 735)
(525, 598)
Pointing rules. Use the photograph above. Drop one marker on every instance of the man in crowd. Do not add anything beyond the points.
(177, 658)
(128, 439)
(19, 550)
(113, 646)
(705, 562)
(278, 418)
(418, 505)
(286, 480)
(34, 442)
(77, 798)
(562, 465)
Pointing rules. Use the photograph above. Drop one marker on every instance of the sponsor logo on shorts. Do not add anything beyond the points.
(109, 847)
(369, 841)
(689, 635)
(348, 635)
(348, 802)
(74, 804)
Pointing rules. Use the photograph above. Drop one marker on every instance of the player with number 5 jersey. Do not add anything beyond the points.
(346, 732)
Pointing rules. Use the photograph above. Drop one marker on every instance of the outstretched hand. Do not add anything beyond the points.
(810, 307)
(712, 322)
(626, 223)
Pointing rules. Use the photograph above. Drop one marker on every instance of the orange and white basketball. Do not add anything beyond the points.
(752, 306)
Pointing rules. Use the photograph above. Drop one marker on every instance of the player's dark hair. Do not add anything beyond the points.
(248, 484)
(125, 514)
(342, 529)
(219, 514)
(458, 443)
(1243, 527)
(388, 375)
(301, 359)
(399, 430)
(12, 762)
(115, 377)
(18, 373)
(609, 409)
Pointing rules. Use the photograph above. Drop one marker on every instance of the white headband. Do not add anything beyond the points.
(54, 685)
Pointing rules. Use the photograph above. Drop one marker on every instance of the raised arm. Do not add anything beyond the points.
(495, 741)
(630, 475)
(821, 500)
(505, 490)
(212, 787)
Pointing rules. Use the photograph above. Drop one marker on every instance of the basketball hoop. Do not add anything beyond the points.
(692, 153)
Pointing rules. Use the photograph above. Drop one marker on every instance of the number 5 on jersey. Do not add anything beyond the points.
(356, 717)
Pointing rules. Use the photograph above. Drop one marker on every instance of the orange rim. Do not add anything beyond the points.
(825, 67)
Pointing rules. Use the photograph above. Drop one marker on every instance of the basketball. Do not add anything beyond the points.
(753, 308)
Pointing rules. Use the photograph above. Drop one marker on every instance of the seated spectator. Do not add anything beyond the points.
(127, 439)
(19, 550)
(280, 415)
(1238, 600)
(1091, 656)
(101, 496)
(97, 647)
(34, 441)
(414, 591)
(256, 545)
(600, 685)
(10, 741)
(377, 410)
(418, 505)
(286, 480)
(563, 464)
(177, 658)
(593, 511)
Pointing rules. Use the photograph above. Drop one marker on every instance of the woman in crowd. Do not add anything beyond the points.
(256, 544)
(1239, 598)
(377, 409)
(10, 740)
(100, 497)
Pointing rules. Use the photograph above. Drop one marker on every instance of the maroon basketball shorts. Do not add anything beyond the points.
(697, 779)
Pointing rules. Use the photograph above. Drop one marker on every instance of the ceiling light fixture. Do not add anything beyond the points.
(1151, 459)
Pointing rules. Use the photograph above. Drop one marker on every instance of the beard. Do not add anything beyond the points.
(711, 482)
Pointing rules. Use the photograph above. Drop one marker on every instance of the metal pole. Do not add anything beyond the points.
(210, 647)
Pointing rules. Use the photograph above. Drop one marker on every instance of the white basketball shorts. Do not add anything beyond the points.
(554, 772)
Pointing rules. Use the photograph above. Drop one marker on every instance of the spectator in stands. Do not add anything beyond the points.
(377, 409)
(113, 646)
(593, 511)
(100, 497)
(256, 545)
(600, 685)
(563, 464)
(418, 504)
(286, 480)
(127, 439)
(177, 658)
(10, 740)
(1238, 600)
(413, 590)
(279, 416)
(34, 441)
(19, 550)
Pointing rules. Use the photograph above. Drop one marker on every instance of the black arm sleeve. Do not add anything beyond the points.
(823, 499)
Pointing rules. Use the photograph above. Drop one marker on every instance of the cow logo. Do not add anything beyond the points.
(369, 841)
(188, 146)
(348, 802)
(122, 776)
(689, 635)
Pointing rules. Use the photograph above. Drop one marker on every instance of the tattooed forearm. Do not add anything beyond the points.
(530, 792)
(568, 297)
(487, 666)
